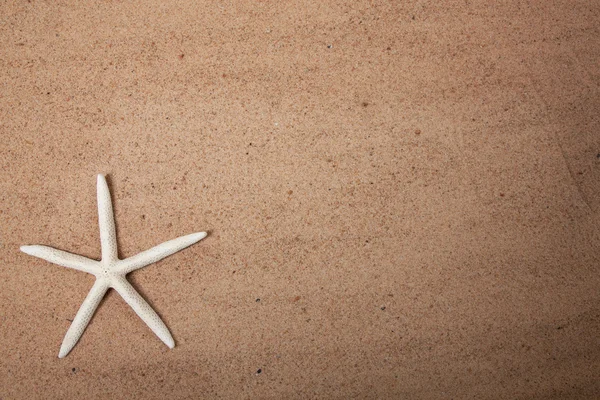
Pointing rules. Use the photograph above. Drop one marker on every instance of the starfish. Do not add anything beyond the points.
(110, 272)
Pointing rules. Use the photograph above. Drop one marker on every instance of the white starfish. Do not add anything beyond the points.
(110, 272)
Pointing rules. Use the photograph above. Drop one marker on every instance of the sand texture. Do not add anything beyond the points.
(402, 198)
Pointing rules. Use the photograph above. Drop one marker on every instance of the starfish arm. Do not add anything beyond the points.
(62, 258)
(85, 313)
(144, 311)
(159, 252)
(106, 220)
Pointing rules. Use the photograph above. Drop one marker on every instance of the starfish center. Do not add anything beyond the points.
(107, 269)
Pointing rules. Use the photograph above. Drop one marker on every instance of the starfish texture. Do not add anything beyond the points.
(110, 272)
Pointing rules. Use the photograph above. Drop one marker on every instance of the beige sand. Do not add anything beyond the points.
(411, 189)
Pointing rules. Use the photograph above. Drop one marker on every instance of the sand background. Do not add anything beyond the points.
(411, 189)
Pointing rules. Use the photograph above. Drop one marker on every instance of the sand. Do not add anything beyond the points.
(402, 198)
